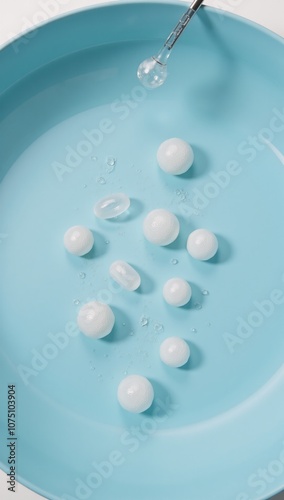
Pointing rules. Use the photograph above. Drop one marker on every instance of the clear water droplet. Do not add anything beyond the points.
(76, 302)
(125, 372)
(152, 73)
(197, 305)
(194, 330)
(85, 185)
(111, 161)
(82, 276)
(144, 321)
(106, 242)
(205, 292)
(131, 334)
(123, 324)
(174, 262)
(92, 366)
(178, 192)
(94, 158)
(100, 377)
(101, 180)
(159, 328)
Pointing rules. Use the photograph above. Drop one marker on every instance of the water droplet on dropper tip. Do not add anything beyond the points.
(152, 73)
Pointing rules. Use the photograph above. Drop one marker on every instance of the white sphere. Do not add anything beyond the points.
(161, 227)
(78, 240)
(135, 393)
(95, 319)
(175, 156)
(174, 352)
(177, 292)
(202, 244)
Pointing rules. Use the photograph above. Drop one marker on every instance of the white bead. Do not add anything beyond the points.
(125, 275)
(174, 352)
(135, 393)
(202, 244)
(111, 206)
(175, 156)
(177, 292)
(161, 227)
(78, 240)
(95, 319)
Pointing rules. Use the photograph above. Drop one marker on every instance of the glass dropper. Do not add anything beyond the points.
(153, 71)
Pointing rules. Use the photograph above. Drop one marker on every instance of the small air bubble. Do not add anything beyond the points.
(85, 185)
(82, 276)
(123, 324)
(125, 372)
(94, 158)
(100, 377)
(106, 242)
(197, 305)
(194, 330)
(131, 334)
(159, 328)
(92, 366)
(105, 355)
(205, 292)
(111, 161)
(178, 192)
(174, 262)
(76, 302)
(101, 180)
(144, 321)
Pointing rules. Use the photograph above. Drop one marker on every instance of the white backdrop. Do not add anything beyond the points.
(18, 15)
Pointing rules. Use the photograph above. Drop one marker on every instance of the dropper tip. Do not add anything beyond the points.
(152, 73)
